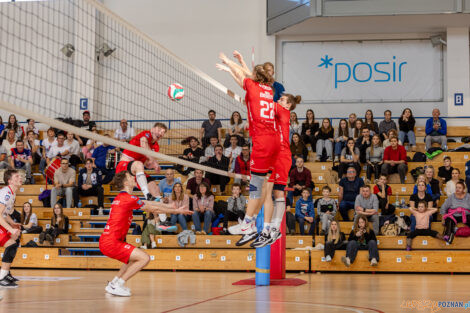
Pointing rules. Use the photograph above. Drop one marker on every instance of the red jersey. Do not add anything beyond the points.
(282, 124)
(136, 142)
(120, 216)
(260, 107)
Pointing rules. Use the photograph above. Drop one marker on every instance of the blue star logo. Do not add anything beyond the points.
(326, 61)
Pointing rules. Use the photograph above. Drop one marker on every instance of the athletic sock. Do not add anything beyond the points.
(115, 280)
(278, 213)
(121, 282)
(247, 219)
(266, 227)
(142, 181)
(3, 273)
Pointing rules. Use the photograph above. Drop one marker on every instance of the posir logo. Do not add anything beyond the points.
(363, 72)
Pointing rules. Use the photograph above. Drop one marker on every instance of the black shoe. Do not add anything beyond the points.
(5, 283)
(263, 239)
(41, 237)
(11, 278)
(50, 239)
(451, 237)
(246, 238)
(150, 197)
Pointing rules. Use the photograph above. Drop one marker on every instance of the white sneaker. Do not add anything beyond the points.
(117, 290)
(154, 245)
(100, 211)
(144, 247)
(235, 229)
(373, 262)
(328, 258)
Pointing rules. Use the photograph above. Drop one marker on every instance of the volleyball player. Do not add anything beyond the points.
(135, 163)
(113, 240)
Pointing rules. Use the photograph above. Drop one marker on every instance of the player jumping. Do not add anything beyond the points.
(113, 240)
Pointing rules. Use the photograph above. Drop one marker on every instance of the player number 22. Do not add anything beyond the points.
(267, 110)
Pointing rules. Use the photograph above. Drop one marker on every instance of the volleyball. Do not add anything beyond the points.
(175, 92)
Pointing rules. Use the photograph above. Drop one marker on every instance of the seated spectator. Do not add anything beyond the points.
(179, 201)
(391, 133)
(29, 220)
(150, 231)
(2, 130)
(374, 158)
(124, 133)
(235, 207)
(334, 240)
(300, 178)
(242, 165)
(309, 128)
(4, 162)
(221, 162)
(395, 160)
(421, 192)
(445, 172)
(326, 209)
(99, 157)
(46, 145)
(236, 128)
(233, 151)
(59, 225)
(210, 128)
(423, 226)
(33, 145)
(86, 124)
(456, 209)
(9, 142)
(209, 151)
(58, 150)
(64, 182)
(349, 158)
(352, 124)
(89, 184)
(166, 185)
(341, 137)
(349, 189)
(406, 122)
(31, 126)
(193, 183)
(361, 238)
(383, 191)
(74, 150)
(203, 207)
(367, 205)
(450, 185)
(362, 143)
(434, 183)
(21, 160)
(305, 212)
(436, 131)
(298, 148)
(359, 125)
(370, 123)
(91, 145)
(325, 138)
(192, 154)
(294, 126)
(13, 125)
(386, 125)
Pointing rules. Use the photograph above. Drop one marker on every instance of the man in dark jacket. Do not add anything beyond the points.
(221, 162)
(89, 183)
(363, 142)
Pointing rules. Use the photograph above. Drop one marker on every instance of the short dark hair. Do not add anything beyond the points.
(385, 112)
(161, 125)
(29, 131)
(219, 146)
(306, 189)
(237, 185)
(8, 175)
(19, 141)
(60, 134)
(89, 160)
(447, 158)
(119, 179)
(326, 188)
(211, 111)
(422, 202)
(366, 186)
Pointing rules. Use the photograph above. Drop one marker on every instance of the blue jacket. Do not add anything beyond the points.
(430, 129)
(304, 208)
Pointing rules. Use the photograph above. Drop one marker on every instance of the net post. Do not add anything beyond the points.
(263, 256)
(278, 254)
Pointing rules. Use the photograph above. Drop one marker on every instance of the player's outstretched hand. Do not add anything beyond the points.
(222, 67)
(223, 57)
(237, 55)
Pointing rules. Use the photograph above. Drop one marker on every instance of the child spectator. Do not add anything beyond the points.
(325, 138)
(450, 185)
(305, 212)
(309, 128)
(349, 158)
(386, 125)
(406, 122)
(382, 192)
(150, 231)
(180, 201)
(29, 220)
(242, 165)
(445, 172)
(326, 209)
(203, 206)
(59, 225)
(370, 123)
(374, 158)
(294, 127)
(235, 207)
(298, 148)
(334, 240)
(361, 238)
(422, 216)
(341, 137)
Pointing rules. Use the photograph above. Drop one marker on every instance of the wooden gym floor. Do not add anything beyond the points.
(83, 291)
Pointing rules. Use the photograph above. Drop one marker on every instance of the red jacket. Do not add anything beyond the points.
(242, 167)
(395, 155)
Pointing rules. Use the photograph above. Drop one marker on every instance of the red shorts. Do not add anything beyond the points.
(264, 153)
(125, 166)
(4, 236)
(115, 249)
(280, 173)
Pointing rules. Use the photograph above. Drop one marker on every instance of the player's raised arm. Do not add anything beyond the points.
(237, 55)
(237, 72)
(159, 207)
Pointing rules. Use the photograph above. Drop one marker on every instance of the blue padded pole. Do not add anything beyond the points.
(263, 257)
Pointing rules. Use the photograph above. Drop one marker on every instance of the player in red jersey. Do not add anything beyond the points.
(113, 240)
(135, 163)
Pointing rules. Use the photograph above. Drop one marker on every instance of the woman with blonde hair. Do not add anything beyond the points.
(334, 240)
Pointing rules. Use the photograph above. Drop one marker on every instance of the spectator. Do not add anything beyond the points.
(374, 158)
(166, 185)
(406, 122)
(325, 138)
(445, 172)
(4, 163)
(334, 240)
(193, 183)
(370, 123)
(203, 206)
(58, 150)
(179, 201)
(89, 184)
(87, 125)
(33, 145)
(210, 128)
(305, 212)
(362, 143)
(386, 125)
(150, 231)
(361, 238)
(341, 137)
(367, 205)
(21, 160)
(209, 151)
(434, 183)
(233, 151)
(242, 165)
(221, 162)
(299, 178)
(59, 225)
(192, 154)
(456, 209)
(420, 195)
(32, 127)
(277, 87)
(450, 185)
(2, 130)
(298, 148)
(391, 133)
(17, 129)
(352, 124)
(235, 207)
(383, 191)
(124, 133)
(64, 182)
(349, 188)
(326, 209)
(9, 142)
(91, 145)
(74, 150)
(99, 157)
(46, 145)
(349, 158)
(309, 128)
(422, 216)
(395, 160)
(29, 220)
(359, 125)
(436, 130)
(236, 129)
(294, 127)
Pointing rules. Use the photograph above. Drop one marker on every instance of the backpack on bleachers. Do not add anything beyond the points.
(419, 157)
